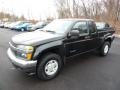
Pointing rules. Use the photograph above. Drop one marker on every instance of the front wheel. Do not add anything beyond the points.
(105, 49)
(49, 66)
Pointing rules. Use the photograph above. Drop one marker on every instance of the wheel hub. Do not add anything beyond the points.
(106, 49)
(51, 67)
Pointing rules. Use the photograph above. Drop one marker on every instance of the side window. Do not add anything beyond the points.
(92, 27)
(82, 27)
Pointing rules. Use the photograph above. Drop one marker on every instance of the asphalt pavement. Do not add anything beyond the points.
(84, 72)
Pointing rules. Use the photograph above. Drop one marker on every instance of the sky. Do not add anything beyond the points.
(31, 9)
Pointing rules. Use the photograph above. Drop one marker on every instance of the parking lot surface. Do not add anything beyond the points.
(84, 72)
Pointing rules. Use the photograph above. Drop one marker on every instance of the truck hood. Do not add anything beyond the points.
(35, 38)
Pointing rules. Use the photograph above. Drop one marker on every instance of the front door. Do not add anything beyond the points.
(77, 44)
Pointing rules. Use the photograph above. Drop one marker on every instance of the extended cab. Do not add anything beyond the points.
(45, 51)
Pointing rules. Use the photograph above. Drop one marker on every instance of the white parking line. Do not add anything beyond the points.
(31, 74)
(12, 68)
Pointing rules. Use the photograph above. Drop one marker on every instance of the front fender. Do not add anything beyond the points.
(46, 46)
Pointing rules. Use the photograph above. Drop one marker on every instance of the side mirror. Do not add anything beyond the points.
(74, 33)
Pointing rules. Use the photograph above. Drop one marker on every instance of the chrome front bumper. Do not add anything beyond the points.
(21, 64)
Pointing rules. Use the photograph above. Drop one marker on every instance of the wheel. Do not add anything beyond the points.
(105, 49)
(22, 29)
(49, 66)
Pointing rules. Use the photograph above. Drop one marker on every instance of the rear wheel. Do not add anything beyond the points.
(49, 66)
(105, 49)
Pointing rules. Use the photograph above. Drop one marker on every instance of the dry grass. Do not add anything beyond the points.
(116, 25)
(117, 31)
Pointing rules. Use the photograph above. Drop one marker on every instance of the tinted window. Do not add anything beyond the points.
(82, 27)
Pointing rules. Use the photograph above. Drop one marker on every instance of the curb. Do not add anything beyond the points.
(116, 35)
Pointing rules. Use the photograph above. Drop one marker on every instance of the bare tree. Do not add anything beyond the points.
(63, 8)
(104, 10)
(85, 9)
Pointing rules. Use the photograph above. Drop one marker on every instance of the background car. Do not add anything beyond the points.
(12, 25)
(38, 25)
(6, 24)
(23, 26)
(1, 24)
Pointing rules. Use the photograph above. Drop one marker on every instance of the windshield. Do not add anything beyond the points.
(100, 25)
(58, 26)
(21, 23)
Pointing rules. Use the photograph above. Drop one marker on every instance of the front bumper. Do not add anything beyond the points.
(26, 66)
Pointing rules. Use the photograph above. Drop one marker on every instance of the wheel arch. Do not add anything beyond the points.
(108, 40)
(54, 47)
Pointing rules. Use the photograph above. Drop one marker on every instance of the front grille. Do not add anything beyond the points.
(13, 47)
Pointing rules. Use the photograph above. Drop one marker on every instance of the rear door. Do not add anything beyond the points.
(94, 40)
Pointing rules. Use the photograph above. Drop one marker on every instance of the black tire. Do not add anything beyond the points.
(43, 62)
(102, 49)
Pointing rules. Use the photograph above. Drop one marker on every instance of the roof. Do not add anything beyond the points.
(77, 19)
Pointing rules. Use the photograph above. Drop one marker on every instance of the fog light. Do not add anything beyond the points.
(29, 56)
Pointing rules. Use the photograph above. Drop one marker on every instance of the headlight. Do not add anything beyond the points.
(25, 51)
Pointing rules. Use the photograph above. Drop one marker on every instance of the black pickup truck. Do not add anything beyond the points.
(45, 51)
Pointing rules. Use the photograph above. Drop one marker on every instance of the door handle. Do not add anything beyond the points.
(87, 37)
